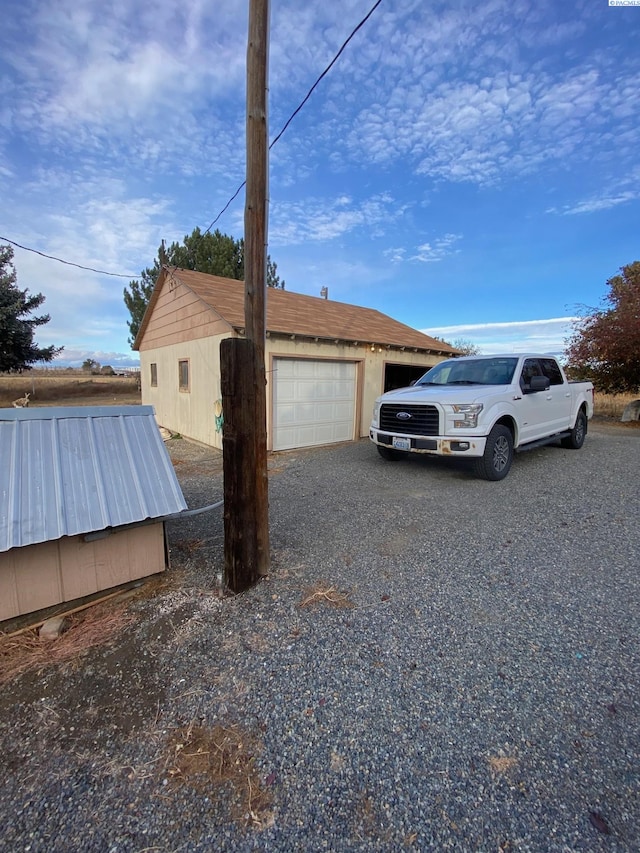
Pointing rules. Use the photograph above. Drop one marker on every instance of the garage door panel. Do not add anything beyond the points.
(313, 402)
(286, 414)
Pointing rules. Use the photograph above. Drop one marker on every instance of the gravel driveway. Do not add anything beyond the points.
(435, 663)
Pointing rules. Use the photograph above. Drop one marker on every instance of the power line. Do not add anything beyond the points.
(303, 102)
(326, 71)
(68, 263)
(237, 192)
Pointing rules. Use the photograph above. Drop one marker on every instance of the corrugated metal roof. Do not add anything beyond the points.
(71, 470)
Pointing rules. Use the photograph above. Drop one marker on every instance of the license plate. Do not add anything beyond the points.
(401, 443)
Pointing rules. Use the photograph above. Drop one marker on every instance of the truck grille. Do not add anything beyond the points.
(424, 420)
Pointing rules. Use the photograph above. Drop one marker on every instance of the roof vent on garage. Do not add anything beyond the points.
(324, 293)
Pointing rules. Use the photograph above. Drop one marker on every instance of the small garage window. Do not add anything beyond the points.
(183, 374)
(154, 375)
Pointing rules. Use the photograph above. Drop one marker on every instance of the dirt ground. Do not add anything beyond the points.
(70, 389)
(71, 692)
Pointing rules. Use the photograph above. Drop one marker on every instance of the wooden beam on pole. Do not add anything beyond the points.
(243, 557)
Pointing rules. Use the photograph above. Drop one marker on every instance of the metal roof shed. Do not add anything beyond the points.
(83, 495)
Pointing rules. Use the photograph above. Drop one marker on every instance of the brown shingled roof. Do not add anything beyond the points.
(291, 313)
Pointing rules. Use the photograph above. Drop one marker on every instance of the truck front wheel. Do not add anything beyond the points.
(496, 461)
(576, 437)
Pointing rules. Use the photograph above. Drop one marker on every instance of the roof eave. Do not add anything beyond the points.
(366, 342)
(149, 309)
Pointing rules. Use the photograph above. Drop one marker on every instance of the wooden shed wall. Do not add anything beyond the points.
(49, 573)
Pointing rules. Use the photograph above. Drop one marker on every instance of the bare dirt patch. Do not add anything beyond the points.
(208, 758)
(73, 389)
(501, 764)
(610, 426)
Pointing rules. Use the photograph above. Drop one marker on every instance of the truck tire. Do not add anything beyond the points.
(496, 461)
(575, 440)
(390, 454)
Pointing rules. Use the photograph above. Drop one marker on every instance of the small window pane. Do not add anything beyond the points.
(183, 375)
(154, 375)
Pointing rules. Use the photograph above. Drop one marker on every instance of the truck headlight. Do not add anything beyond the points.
(465, 415)
(376, 415)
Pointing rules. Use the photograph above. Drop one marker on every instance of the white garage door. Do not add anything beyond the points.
(314, 402)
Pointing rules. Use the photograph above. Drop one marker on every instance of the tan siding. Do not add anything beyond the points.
(145, 548)
(37, 577)
(9, 605)
(43, 575)
(191, 414)
(34, 574)
(180, 316)
(80, 570)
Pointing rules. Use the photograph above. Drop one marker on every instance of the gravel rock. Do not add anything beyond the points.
(464, 673)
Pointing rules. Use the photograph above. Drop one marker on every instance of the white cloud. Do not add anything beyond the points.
(395, 254)
(473, 93)
(322, 220)
(541, 336)
(482, 131)
(107, 79)
(75, 358)
(594, 205)
(439, 249)
(94, 223)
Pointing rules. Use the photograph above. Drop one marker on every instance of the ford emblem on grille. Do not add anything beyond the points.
(403, 416)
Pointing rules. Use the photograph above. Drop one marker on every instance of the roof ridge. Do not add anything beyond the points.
(299, 314)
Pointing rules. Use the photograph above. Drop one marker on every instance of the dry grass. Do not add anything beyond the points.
(208, 758)
(321, 593)
(25, 652)
(189, 547)
(501, 764)
(68, 388)
(611, 405)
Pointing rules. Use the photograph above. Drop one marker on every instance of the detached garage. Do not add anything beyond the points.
(326, 361)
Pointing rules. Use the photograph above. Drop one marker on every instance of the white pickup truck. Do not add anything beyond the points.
(484, 408)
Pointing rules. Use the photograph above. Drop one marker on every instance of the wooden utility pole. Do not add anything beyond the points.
(246, 498)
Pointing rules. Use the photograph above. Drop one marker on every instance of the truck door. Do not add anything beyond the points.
(558, 395)
(535, 408)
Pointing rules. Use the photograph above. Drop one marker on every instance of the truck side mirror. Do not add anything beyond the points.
(539, 383)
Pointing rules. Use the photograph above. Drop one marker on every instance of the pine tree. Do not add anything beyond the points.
(18, 350)
(213, 253)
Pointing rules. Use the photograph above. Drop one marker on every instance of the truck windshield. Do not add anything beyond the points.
(477, 371)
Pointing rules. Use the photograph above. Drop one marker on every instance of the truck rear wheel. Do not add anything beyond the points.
(576, 438)
(390, 454)
(496, 461)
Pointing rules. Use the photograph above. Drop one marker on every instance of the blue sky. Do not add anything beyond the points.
(471, 169)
